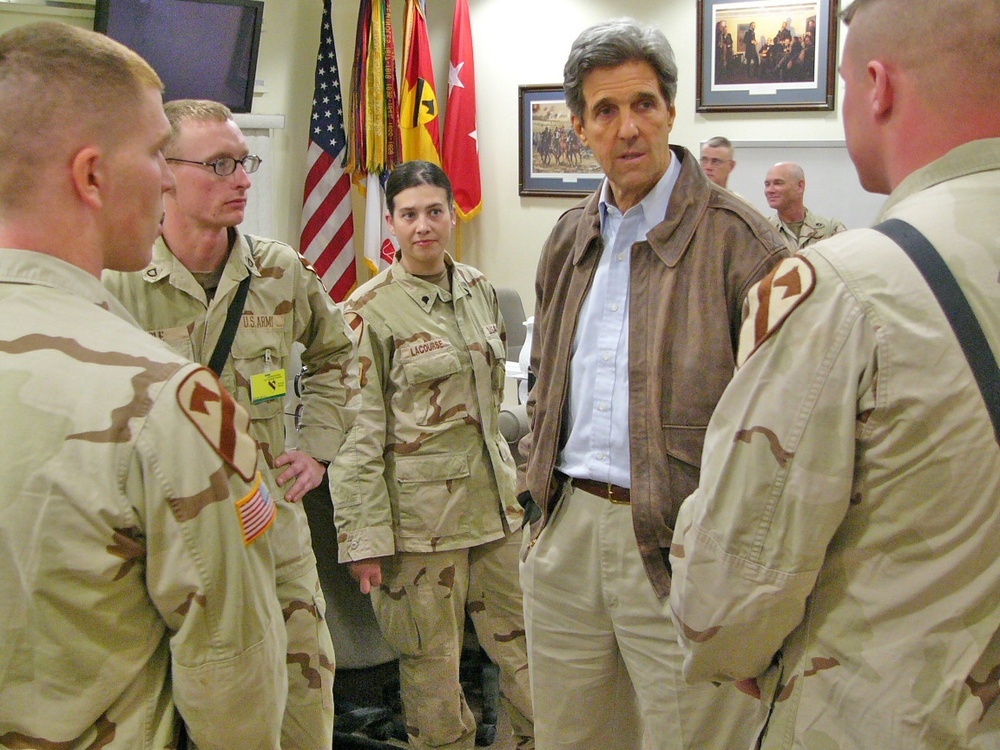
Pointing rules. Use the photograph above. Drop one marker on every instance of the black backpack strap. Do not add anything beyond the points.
(956, 308)
(225, 343)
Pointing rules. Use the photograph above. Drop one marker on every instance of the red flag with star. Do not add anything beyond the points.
(461, 144)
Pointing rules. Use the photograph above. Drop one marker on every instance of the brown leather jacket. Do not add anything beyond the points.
(689, 279)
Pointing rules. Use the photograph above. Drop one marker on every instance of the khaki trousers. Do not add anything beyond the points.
(421, 609)
(604, 658)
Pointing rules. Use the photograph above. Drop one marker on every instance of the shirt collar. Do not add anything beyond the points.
(164, 263)
(653, 206)
(41, 269)
(424, 293)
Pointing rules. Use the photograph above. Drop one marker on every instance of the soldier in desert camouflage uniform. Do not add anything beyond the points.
(136, 579)
(426, 513)
(784, 189)
(840, 557)
(183, 296)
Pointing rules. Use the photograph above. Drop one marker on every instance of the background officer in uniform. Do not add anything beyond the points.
(136, 578)
(425, 510)
(841, 557)
(785, 189)
(183, 297)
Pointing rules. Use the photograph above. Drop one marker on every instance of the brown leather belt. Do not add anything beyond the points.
(610, 492)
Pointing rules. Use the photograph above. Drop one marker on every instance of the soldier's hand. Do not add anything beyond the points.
(368, 573)
(305, 470)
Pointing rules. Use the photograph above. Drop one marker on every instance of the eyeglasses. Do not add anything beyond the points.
(226, 165)
(706, 161)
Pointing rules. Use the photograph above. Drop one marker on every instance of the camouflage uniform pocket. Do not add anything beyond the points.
(254, 354)
(431, 494)
(427, 375)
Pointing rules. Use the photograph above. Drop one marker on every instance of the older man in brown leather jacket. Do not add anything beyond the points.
(639, 297)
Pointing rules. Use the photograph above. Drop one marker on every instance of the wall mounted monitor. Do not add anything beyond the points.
(202, 49)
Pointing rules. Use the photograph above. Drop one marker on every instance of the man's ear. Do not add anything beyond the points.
(882, 89)
(86, 173)
(578, 129)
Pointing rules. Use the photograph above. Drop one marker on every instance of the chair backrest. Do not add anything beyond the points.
(513, 318)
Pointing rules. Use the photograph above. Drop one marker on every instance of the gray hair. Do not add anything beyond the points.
(720, 141)
(613, 43)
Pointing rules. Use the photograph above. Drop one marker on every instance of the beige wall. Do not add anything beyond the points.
(516, 42)
(526, 41)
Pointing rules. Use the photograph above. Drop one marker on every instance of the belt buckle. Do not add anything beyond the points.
(611, 496)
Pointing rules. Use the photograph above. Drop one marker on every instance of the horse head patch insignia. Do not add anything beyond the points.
(770, 302)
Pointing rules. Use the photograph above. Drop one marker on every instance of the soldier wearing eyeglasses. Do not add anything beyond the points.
(184, 296)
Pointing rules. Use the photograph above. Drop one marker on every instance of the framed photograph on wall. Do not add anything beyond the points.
(766, 55)
(553, 162)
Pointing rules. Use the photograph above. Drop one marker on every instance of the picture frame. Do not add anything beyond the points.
(790, 65)
(552, 161)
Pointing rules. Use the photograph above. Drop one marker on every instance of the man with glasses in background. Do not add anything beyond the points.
(717, 160)
(204, 271)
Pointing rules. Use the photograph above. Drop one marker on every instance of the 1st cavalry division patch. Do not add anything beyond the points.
(771, 300)
(222, 422)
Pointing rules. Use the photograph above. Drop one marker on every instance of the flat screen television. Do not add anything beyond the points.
(202, 49)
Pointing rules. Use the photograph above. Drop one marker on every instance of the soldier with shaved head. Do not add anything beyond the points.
(137, 597)
(785, 189)
(838, 560)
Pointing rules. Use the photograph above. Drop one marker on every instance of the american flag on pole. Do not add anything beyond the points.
(327, 224)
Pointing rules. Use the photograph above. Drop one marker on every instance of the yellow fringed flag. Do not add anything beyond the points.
(374, 137)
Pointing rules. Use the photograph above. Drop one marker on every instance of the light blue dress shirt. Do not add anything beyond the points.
(597, 418)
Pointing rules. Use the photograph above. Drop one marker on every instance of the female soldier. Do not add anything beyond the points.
(425, 505)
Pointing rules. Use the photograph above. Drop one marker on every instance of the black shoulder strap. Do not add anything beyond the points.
(956, 308)
(225, 343)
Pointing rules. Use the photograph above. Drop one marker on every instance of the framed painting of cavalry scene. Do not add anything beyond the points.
(553, 161)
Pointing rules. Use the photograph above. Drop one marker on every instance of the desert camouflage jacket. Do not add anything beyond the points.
(425, 467)
(814, 228)
(843, 545)
(132, 578)
(286, 303)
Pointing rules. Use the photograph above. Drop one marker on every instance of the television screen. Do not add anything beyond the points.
(202, 49)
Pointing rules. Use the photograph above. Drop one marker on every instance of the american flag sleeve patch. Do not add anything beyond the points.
(256, 511)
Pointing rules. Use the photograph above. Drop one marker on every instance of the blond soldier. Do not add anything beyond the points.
(785, 189)
(136, 579)
(839, 558)
(426, 514)
(183, 297)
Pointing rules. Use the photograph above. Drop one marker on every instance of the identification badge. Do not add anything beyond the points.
(267, 385)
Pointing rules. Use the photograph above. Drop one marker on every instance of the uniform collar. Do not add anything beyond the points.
(165, 266)
(424, 293)
(41, 269)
